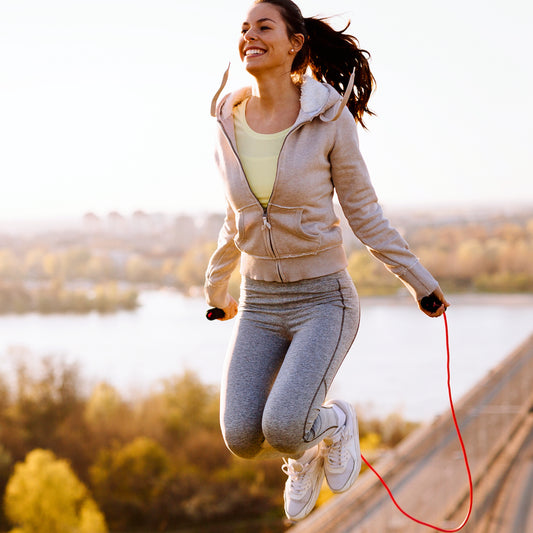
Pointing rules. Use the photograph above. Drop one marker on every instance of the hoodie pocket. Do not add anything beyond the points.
(290, 236)
(250, 232)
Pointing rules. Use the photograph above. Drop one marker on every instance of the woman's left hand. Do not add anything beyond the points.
(439, 295)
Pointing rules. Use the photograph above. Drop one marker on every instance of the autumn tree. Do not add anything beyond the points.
(46, 412)
(129, 480)
(108, 416)
(191, 270)
(44, 494)
(9, 264)
(370, 276)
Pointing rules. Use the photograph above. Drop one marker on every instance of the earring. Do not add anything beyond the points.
(292, 50)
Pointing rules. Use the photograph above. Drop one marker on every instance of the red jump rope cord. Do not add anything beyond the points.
(462, 448)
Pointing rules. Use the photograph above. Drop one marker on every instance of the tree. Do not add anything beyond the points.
(140, 270)
(128, 482)
(9, 265)
(34, 263)
(183, 395)
(109, 417)
(371, 277)
(45, 399)
(191, 270)
(44, 494)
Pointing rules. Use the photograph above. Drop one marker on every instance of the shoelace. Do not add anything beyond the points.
(335, 453)
(299, 479)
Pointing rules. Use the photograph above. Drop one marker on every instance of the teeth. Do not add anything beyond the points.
(254, 52)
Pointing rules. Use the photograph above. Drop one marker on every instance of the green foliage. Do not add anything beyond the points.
(129, 480)
(55, 298)
(45, 398)
(183, 395)
(154, 463)
(44, 494)
(104, 406)
(8, 264)
(191, 270)
(370, 276)
(387, 432)
(139, 270)
(484, 258)
(464, 257)
(504, 282)
(108, 417)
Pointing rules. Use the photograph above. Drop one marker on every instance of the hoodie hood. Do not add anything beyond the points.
(316, 99)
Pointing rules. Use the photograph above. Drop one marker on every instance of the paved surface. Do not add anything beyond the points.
(513, 512)
(427, 475)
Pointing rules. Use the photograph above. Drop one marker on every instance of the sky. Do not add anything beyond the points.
(104, 104)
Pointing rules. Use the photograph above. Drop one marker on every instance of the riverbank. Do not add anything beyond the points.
(57, 297)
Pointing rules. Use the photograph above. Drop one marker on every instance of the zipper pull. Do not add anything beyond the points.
(266, 223)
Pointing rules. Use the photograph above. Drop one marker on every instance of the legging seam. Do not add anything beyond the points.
(322, 381)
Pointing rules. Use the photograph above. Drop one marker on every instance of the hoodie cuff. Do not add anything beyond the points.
(217, 295)
(419, 281)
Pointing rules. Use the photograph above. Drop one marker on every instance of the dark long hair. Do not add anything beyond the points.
(331, 56)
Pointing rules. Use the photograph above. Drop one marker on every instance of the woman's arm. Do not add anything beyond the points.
(365, 216)
(222, 263)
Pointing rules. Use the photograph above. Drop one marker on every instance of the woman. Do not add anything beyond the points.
(284, 146)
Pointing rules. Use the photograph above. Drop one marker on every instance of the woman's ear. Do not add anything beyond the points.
(297, 42)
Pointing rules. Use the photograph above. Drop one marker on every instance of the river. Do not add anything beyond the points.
(397, 363)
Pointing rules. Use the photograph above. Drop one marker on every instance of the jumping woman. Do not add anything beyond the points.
(284, 146)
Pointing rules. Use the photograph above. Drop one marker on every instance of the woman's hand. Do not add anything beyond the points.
(438, 295)
(230, 310)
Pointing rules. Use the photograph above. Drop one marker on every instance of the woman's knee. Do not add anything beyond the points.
(242, 441)
(283, 432)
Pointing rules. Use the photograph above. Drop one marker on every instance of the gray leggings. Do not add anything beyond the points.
(288, 343)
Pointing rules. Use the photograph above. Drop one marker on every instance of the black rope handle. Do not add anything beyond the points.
(214, 313)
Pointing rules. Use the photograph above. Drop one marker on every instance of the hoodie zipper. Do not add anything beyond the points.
(266, 219)
(266, 223)
(268, 228)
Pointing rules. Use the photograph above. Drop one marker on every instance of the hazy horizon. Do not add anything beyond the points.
(75, 220)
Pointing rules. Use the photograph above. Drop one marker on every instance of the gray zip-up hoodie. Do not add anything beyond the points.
(298, 236)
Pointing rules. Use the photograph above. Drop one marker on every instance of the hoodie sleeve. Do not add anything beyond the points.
(365, 216)
(222, 263)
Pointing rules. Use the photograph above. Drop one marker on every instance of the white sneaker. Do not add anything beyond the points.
(342, 455)
(303, 484)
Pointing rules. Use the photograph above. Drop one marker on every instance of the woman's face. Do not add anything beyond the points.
(264, 44)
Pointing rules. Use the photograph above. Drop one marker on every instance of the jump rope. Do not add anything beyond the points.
(430, 303)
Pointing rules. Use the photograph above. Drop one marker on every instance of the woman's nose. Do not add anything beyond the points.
(249, 35)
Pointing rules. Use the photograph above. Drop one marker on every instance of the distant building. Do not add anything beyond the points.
(91, 222)
(116, 223)
(141, 223)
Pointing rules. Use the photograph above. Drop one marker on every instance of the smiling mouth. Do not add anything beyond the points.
(254, 52)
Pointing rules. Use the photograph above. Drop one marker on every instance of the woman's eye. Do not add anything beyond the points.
(262, 28)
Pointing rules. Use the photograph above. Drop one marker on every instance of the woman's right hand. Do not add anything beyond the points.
(444, 304)
(230, 310)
